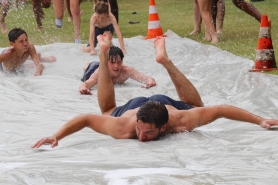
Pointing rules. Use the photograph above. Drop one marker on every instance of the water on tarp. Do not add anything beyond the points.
(225, 151)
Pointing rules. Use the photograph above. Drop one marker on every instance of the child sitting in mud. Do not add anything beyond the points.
(13, 58)
(102, 21)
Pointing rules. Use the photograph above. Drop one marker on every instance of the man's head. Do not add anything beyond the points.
(115, 63)
(152, 118)
(18, 39)
(102, 9)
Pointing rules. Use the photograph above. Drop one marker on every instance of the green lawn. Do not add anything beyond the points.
(240, 31)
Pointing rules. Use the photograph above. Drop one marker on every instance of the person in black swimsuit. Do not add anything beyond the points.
(147, 119)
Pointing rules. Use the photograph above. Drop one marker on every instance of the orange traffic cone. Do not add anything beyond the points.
(154, 27)
(265, 59)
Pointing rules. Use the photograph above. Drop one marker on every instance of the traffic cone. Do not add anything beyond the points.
(154, 27)
(265, 59)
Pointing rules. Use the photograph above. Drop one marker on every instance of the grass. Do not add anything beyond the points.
(240, 31)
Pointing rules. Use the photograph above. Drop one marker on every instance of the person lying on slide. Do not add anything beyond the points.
(147, 119)
(118, 71)
(13, 58)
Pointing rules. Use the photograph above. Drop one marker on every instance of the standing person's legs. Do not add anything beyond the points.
(185, 90)
(197, 19)
(67, 3)
(4, 10)
(59, 12)
(205, 9)
(114, 9)
(75, 10)
(105, 90)
(38, 12)
(220, 15)
(214, 11)
(248, 8)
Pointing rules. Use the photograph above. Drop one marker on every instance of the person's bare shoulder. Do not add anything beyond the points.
(7, 54)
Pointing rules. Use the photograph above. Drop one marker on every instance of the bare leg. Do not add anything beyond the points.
(220, 15)
(205, 9)
(58, 11)
(214, 11)
(105, 90)
(185, 90)
(38, 12)
(75, 10)
(67, 3)
(114, 9)
(4, 11)
(248, 8)
(197, 19)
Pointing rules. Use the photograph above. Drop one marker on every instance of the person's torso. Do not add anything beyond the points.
(14, 62)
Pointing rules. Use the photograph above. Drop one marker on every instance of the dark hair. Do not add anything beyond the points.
(114, 51)
(153, 112)
(102, 8)
(15, 33)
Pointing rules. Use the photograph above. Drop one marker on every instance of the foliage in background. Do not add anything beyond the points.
(240, 31)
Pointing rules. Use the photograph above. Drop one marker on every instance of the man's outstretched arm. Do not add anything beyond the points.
(102, 124)
(204, 115)
(139, 77)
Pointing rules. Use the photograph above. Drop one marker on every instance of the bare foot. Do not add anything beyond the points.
(48, 59)
(69, 19)
(195, 32)
(161, 55)
(4, 29)
(219, 31)
(104, 43)
(86, 49)
(214, 39)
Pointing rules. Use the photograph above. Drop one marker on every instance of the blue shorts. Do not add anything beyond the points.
(139, 101)
(99, 31)
(90, 70)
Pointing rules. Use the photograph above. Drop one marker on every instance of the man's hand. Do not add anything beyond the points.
(47, 140)
(150, 83)
(267, 123)
(84, 90)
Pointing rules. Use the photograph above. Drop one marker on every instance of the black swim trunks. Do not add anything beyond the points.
(139, 101)
(90, 70)
(99, 31)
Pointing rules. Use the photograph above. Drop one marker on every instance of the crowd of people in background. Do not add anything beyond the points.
(211, 12)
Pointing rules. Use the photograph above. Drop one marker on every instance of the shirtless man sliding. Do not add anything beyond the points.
(118, 71)
(13, 58)
(149, 118)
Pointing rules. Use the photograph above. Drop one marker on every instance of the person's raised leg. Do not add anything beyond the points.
(197, 19)
(105, 90)
(248, 8)
(185, 89)
(4, 10)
